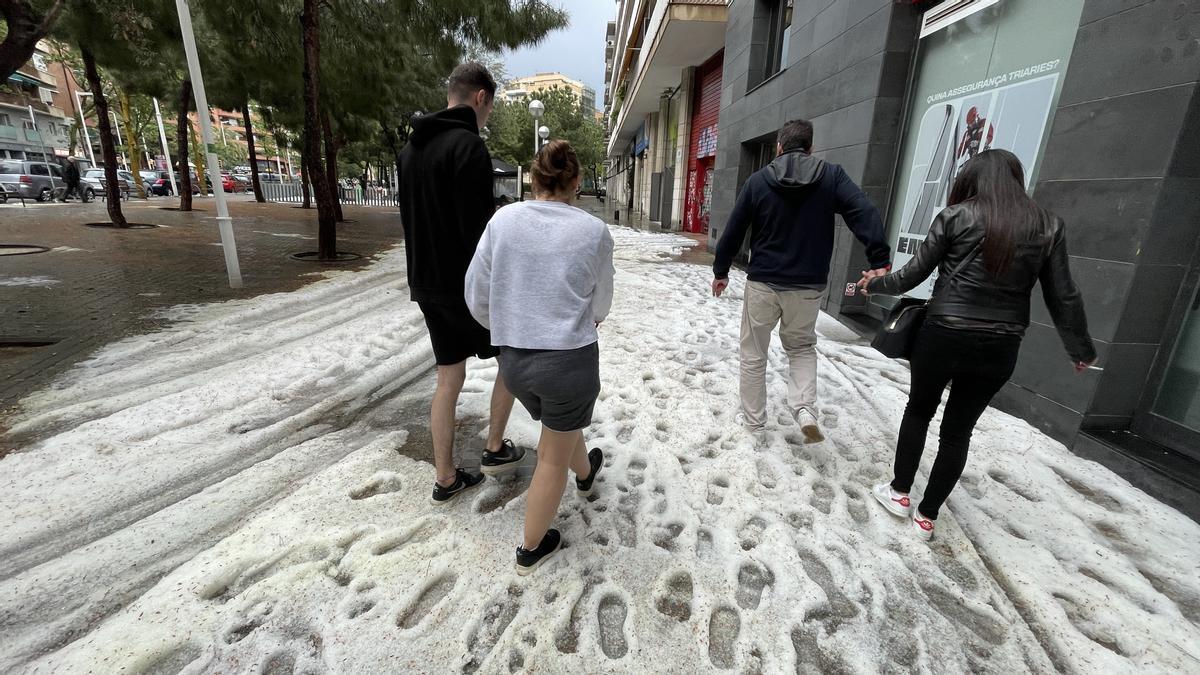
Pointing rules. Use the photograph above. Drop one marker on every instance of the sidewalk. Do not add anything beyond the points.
(96, 286)
(238, 492)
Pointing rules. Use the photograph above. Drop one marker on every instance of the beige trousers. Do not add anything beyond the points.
(796, 313)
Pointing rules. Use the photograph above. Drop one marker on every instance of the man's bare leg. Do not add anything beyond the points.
(502, 405)
(441, 419)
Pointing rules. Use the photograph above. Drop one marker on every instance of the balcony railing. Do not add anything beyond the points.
(8, 132)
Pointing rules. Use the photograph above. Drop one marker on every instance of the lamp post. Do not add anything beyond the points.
(162, 136)
(543, 133)
(120, 142)
(224, 222)
(87, 138)
(536, 108)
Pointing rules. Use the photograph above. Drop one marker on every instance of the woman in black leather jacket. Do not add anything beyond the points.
(1001, 243)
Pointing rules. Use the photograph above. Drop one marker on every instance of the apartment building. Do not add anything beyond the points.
(664, 64)
(528, 86)
(33, 123)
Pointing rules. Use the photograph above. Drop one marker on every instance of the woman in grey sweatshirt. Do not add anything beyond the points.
(542, 281)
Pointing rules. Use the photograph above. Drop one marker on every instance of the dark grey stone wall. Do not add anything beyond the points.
(1122, 167)
(846, 70)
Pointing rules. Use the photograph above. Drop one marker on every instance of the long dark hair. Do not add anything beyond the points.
(994, 183)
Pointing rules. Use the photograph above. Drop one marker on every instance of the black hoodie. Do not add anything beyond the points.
(445, 202)
(788, 206)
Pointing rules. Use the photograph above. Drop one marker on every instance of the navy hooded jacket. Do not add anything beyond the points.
(788, 207)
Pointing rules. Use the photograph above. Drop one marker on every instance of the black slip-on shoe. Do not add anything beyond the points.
(584, 485)
(463, 481)
(528, 561)
(503, 460)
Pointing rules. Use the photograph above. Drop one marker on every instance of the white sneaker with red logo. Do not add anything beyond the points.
(922, 525)
(897, 503)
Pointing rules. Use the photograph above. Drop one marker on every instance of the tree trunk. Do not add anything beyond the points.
(25, 29)
(326, 216)
(181, 138)
(307, 203)
(331, 164)
(135, 146)
(201, 166)
(258, 191)
(112, 193)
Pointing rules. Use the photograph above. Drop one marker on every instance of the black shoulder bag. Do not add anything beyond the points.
(898, 335)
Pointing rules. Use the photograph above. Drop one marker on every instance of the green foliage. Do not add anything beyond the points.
(511, 129)
(231, 154)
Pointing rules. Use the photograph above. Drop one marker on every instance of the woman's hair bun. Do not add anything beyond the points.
(555, 167)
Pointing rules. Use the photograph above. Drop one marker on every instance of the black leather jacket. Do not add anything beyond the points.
(975, 294)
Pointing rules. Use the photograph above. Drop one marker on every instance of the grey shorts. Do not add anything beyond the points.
(558, 387)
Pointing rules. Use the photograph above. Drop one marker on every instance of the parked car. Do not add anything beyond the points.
(233, 183)
(93, 183)
(129, 178)
(161, 185)
(150, 180)
(30, 180)
(159, 182)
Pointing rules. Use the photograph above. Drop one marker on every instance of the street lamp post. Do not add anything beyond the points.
(162, 136)
(543, 133)
(224, 222)
(45, 155)
(120, 142)
(536, 108)
(87, 138)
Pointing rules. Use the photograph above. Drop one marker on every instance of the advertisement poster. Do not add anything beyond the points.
(1012, 116)
(989, 80)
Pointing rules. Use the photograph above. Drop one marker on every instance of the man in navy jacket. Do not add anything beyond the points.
(788, 208)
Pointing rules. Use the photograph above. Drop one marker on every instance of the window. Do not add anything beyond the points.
(774, 30)
(55, 171)
(28, 124)
(5, 121)
(39, 62)
(38, 170)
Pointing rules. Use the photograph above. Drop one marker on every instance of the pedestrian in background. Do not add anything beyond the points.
(990, 246)
(445, 200)
(542, 281)
(788, 208)
(71, 180)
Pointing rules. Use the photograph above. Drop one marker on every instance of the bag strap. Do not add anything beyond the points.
(966, 261)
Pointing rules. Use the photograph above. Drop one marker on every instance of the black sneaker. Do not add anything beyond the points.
(584, 485)
(463, 481)
(528, 561)
(503, 460)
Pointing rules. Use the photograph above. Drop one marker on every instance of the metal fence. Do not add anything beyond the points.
(290, 192)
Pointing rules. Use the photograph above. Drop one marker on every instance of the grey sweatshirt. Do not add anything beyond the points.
(542, 276)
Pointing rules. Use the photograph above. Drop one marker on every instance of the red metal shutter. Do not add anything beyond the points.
(706, 107)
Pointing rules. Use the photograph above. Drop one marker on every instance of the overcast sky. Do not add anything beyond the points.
(576, 51)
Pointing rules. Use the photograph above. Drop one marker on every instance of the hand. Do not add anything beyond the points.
(868, 275)
(718, 287)
(1081, 366)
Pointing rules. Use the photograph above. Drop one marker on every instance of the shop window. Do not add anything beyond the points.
(773, 29)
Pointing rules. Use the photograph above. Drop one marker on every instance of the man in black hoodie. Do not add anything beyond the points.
(788, 207)
(445, 203)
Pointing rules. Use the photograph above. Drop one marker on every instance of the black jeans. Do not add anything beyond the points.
(975, 364)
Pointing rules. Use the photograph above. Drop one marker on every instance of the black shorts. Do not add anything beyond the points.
(557, 387)
(455, 334)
